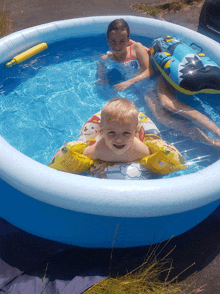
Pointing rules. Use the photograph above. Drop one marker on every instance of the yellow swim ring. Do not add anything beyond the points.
(164, 158)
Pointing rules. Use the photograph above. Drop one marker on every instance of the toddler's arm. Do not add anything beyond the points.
(91, 151)
(142, 148)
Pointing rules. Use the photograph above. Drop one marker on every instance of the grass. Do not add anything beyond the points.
(171, 6)
(42, 286)
(144, 279)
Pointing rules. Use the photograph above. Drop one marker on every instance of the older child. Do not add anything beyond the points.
(131, 58)
(117, 141)
(124, 53)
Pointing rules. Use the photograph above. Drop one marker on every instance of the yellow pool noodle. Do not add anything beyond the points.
(27, 54)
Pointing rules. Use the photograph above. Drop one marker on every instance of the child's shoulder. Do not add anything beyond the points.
(141, 148)
(139, 46)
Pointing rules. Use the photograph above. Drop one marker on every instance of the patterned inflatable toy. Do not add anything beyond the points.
(187, 71)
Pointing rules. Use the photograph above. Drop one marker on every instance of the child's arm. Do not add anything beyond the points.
(101, 69)
(142, 148)
(141, 54)
(92, 151)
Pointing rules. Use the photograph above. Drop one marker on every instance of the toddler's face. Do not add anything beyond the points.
(119, 135)
(117, 41)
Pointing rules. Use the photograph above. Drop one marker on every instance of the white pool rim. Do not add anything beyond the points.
(150, 198)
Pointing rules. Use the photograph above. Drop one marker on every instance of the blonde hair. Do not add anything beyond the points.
(119, 108)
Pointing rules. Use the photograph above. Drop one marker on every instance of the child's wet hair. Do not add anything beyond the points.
(120, 108)
(118, 24)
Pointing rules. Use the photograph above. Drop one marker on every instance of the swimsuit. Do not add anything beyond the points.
(121, 71)
(131, 57)
(117, 72)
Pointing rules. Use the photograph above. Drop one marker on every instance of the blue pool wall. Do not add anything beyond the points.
(90, 230)
(85, 211)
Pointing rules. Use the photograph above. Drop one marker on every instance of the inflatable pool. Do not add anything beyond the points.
(86, 211)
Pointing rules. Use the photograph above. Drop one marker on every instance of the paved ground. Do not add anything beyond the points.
(203, 244)
(24, 13)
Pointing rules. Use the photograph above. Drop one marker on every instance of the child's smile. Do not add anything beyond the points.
(117, 42)
(118, 146)
(119, 135)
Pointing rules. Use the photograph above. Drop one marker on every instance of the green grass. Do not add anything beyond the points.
(144, 279)
(171, 6)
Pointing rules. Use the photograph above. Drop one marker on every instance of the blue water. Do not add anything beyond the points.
(45, 100)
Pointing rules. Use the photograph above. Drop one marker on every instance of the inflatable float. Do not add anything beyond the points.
(164, 158)
(187, 71)
(85, 211)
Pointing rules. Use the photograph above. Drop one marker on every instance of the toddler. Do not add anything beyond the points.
(117, 141)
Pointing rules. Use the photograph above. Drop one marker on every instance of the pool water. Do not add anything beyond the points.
(45, 100)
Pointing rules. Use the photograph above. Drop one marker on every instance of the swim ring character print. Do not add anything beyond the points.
(90, 129)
